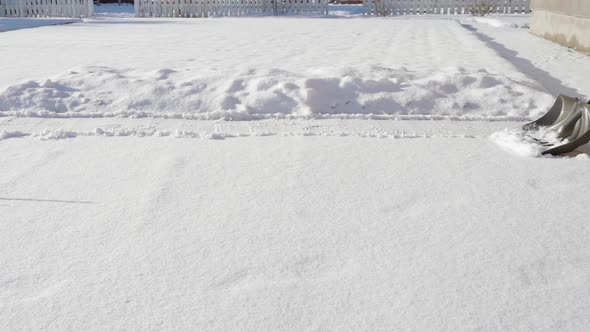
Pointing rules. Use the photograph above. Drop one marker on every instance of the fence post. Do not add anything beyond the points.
(136, 7)
(90, 8)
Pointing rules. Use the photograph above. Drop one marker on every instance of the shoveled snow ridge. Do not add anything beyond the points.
(59, 133)
(506, 135)
(369, 92)
(510, 140)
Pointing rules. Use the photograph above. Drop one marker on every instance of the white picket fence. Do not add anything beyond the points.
(207, 8)
(46, 8)
(448, 7)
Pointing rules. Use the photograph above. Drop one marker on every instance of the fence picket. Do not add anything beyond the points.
(444, 7)
(206, 8)
(46, 8)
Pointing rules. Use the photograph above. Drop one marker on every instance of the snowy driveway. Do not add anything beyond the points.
(129, 201)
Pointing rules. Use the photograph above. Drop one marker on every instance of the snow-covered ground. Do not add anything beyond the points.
(238, 68)
(558, 69)
(375, 182)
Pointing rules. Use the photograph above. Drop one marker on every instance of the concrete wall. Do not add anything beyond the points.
(563, 21)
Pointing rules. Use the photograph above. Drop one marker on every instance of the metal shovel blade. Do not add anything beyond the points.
(569, 118)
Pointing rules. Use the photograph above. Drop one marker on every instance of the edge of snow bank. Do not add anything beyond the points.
(368, 92)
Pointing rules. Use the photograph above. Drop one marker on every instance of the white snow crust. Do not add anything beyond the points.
(288, 174)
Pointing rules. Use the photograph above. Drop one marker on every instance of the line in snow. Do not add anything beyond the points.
(56, 134)
(255, 117)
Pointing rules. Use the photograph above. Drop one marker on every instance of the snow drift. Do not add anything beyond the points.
(256, 94)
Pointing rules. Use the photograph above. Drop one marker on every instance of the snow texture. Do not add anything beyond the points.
(236, 69)
(129, 202)
(254, 94)
(290, 233)
(517, 142)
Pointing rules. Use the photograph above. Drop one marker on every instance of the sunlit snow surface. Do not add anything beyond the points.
(288, 174)
(240, 69)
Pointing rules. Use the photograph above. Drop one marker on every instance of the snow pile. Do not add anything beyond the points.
(367, 91)
(55, 134)
(517, 143)
(142, 131)
(527, 143)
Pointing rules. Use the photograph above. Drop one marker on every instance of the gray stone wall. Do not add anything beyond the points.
(563, 21)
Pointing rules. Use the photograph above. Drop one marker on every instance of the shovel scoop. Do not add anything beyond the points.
(568, 122)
